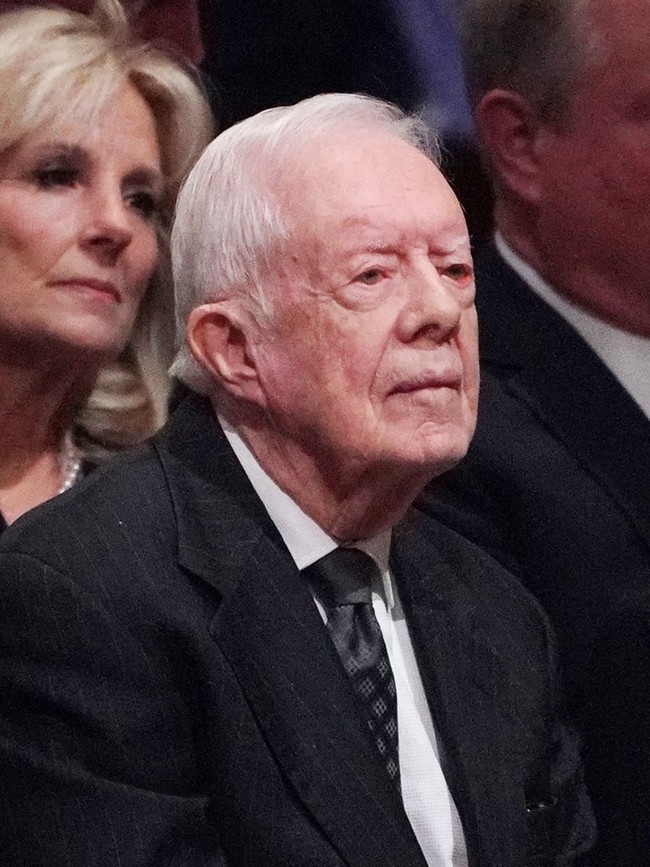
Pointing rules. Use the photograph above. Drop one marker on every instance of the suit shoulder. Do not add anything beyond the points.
(116, 500)
(482, 578)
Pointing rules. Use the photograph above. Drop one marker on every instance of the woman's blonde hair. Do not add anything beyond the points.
(59, 65)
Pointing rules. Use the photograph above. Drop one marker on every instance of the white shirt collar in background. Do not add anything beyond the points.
(626, 355)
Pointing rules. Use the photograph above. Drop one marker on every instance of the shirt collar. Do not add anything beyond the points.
(304, 538)
(626, 355)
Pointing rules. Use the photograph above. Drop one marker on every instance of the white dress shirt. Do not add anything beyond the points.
(626, 355)
(427, 800)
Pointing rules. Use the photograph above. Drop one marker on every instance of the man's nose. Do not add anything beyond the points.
(433, 308)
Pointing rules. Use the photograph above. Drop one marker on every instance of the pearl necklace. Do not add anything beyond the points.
(70, 463)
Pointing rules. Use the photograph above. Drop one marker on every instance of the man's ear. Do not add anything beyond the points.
(219, 336)
(509, 127)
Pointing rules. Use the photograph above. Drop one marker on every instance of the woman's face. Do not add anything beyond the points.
(78, 231)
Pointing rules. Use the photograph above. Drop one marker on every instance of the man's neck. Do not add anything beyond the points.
(516, 228)
(592, 287)
(347, 502)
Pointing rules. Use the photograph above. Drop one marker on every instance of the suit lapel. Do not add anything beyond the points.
(465, 682)
(600, 424)
(269, 629)
(282, 656)
(532, 349)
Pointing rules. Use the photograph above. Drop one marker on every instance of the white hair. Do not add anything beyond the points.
(230, 227)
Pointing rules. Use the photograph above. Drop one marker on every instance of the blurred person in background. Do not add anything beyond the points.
(557, 481)
(97, 131)
(168, 24)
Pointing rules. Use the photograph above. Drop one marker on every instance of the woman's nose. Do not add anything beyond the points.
(109, 227)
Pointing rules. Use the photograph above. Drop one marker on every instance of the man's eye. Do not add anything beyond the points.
(458, 272)
(144, 202)
(370, 276)
(55, 176)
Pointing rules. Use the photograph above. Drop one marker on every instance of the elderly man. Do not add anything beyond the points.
(557, 481)
(224, 650)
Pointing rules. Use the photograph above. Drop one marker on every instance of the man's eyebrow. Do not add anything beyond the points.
(370, 240)
(395, 247)
(376, 247)
(454, 248)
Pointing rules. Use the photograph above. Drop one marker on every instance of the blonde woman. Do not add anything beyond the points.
(96, 132)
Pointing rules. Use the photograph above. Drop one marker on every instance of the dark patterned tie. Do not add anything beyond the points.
(343, 583)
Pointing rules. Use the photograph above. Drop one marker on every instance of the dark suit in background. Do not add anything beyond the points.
(556, 485)
(170, 695)
(618, 731)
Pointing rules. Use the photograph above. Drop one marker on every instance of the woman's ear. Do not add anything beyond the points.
(219, 338)
(509, 128)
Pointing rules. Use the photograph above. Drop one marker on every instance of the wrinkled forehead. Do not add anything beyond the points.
(365, 179)
(350, 156)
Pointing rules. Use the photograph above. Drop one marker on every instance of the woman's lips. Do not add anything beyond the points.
(91, 285)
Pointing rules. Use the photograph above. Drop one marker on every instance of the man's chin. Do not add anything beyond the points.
(416, 469)
(437, 451)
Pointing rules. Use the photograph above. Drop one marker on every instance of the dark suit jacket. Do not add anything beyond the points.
(618, 734)
(170, 695)
(556, 484)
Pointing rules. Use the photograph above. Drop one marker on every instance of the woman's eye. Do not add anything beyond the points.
(55, 176)
(144, 202)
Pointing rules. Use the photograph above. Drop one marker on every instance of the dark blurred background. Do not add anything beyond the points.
(261, 53)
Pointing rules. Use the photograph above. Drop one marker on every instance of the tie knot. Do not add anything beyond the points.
(343, 577)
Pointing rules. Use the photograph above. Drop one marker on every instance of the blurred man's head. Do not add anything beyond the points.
(561, 90)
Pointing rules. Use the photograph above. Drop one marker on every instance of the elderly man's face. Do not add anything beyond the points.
(372, 357)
